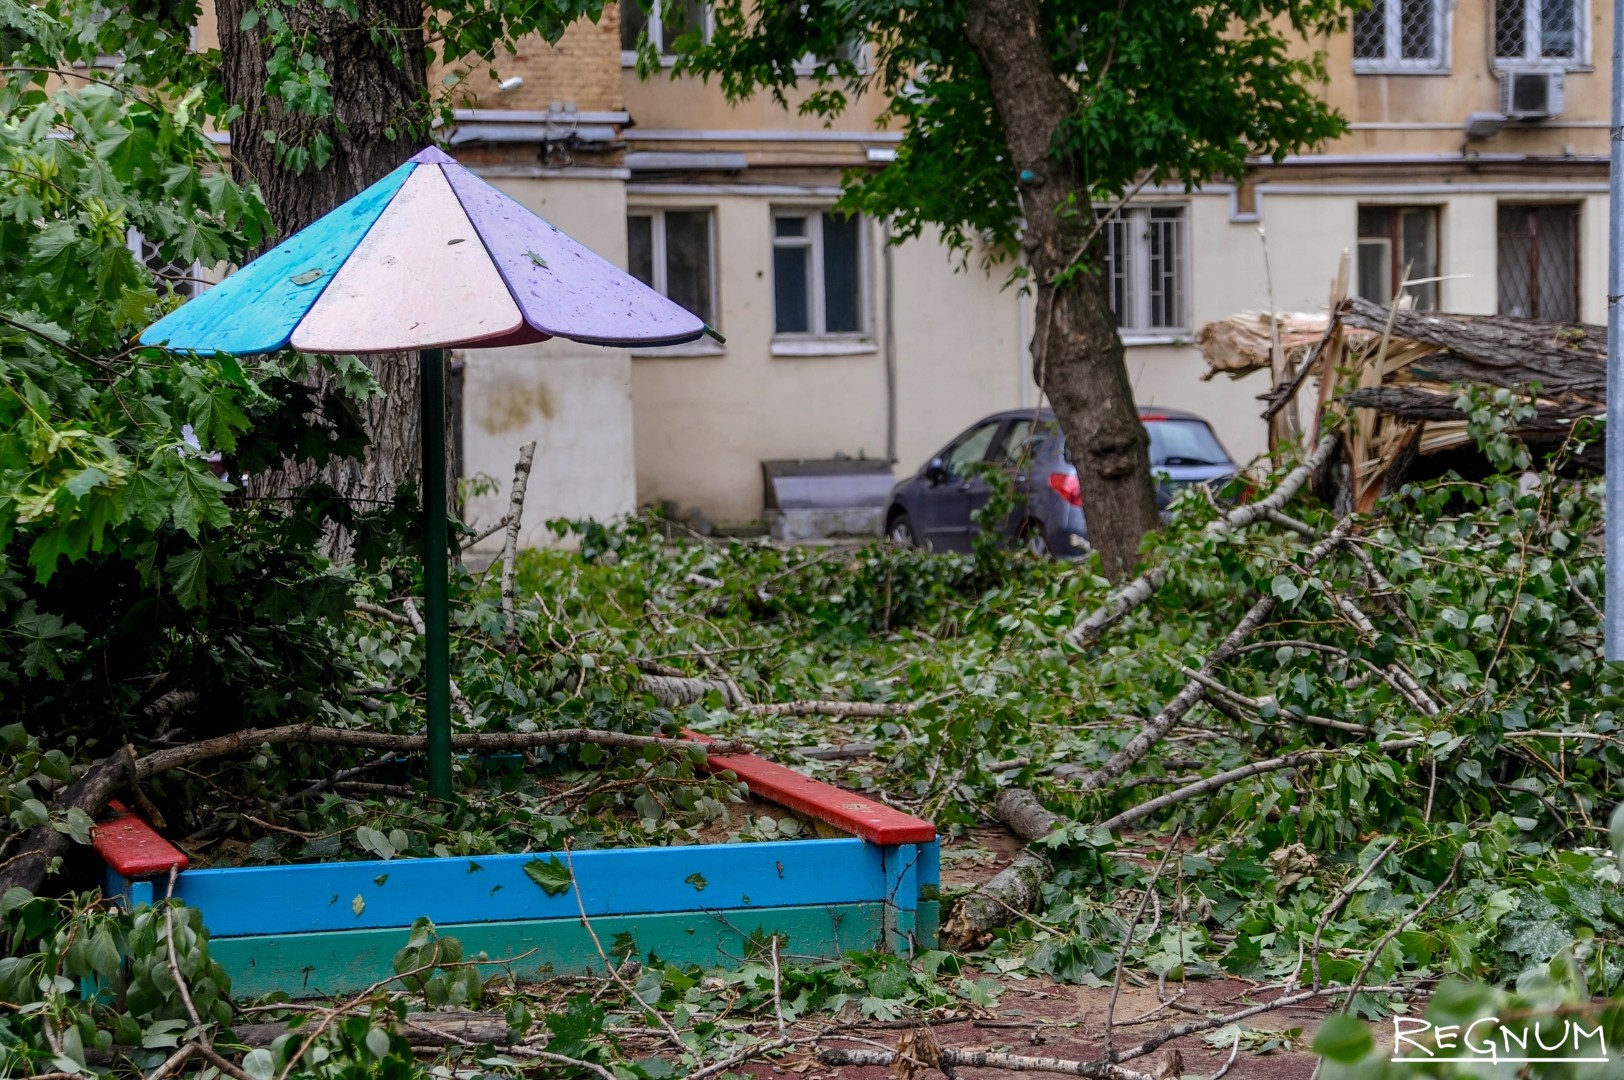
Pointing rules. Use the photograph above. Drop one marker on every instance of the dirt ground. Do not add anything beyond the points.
(1039, 1017)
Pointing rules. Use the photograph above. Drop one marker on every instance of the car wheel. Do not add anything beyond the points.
(1037, 540)
(901, 532)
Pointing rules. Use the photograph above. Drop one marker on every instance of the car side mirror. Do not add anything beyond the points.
(936, 471)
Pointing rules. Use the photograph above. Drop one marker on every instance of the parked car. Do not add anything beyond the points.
(932, 509)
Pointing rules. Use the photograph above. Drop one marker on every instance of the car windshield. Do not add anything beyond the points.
(1184, 442)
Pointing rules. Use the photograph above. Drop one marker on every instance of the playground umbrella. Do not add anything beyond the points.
(429, 258)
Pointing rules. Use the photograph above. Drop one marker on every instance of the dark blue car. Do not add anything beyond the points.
(932, 508)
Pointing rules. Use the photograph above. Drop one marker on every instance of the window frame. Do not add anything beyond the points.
(1138, 282)
(1579, 61)
(813, 241)
(1575, 209)
(655, 28)
(1395, 64)
(1394, 242)
(657, 244)
(194, 283)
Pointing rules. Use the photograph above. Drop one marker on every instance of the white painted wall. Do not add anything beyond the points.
(573, 400)
(617, 431)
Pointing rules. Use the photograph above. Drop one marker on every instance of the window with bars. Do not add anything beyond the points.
(1401, 36)
(667, 22)
(1147, 267)
(673, 251)
(818, 278)
(1538, 271)
(1539, 32)
(181, 279)
(1399, 244)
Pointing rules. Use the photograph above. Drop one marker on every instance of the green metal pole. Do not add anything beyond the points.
(436, 570)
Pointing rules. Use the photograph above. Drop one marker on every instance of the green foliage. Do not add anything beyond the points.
(1182, 92)
(131, 565)
(81, 977)
(152, 46)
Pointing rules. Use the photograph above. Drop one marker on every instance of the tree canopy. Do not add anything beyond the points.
(1176, 92)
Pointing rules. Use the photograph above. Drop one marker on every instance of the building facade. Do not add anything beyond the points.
(1475, 164)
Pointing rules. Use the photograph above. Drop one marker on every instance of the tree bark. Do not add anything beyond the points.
(1077, 352)
(379, 85)
(43, 845)
(1568, 361)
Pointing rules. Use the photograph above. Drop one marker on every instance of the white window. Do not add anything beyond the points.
(1399, 244)
(1540, 33)
(819, 279)
(674, 251)
(667, 22)
(181, 279)
(1147, 268)
(1401, 36)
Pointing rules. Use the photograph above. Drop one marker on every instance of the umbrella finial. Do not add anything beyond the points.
(432, 155)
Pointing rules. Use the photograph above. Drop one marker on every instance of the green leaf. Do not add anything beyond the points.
(259, 1064)
(552, 875)
(249, 20)
(1284, 588)
(697, 880)
(307, 277)
(1343, 1039)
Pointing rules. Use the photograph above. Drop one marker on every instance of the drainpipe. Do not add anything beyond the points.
(1023, 367)
(891, 342)
(1615, 362)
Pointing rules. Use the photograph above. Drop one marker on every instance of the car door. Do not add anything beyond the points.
(944, 518)
(1014, 452)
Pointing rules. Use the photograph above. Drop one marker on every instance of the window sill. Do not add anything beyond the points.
(629, 59)
(1375, 67)
(1130, 339)
(823, 347)
(703, 347)
(1567, 67)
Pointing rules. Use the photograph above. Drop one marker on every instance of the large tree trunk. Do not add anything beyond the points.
(1076, 350)
(380, 115)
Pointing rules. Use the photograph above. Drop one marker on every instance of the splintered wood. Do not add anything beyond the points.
(1399, 373)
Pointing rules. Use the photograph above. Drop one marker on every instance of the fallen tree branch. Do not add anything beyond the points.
(1013, 890)
(986, 1059)
(1143, 587)
(43, 845)
(160, 761)
(1259, 704)
(840, 709)
(1194, 691)
(1213, 783)
(419, 626)
(510, 544)
(679, 691)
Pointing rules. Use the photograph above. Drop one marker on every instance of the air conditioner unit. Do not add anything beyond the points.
(1531, 95)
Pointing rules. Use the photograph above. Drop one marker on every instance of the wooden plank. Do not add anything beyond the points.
(345, 962)
(859, 816)
(562, 287)
(421, 279)
(494, 888)
(132, 848)
(255, 309)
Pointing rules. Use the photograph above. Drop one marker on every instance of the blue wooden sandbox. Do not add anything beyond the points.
(322, 929)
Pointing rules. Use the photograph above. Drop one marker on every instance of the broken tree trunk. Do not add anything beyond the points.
(43, 846)
(1014, 889)
(1569, 361)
